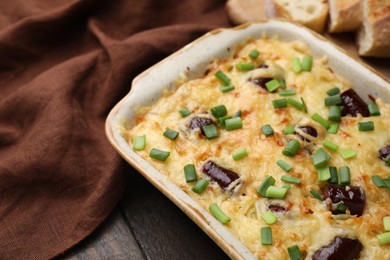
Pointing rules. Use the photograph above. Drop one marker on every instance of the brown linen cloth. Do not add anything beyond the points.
(63, 66)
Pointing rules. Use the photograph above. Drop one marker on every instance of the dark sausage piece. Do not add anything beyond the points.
(308, 130)
(384, 152)
(353, 104)
(199, 122)
(260, 82)
(222, 176)
(340, 248)
(276, 208)
(353, 198)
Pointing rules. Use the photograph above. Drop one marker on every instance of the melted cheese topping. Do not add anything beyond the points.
(307, 222)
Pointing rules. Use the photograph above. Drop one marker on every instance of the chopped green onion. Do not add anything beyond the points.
(294, 252)
(283, 83)
(268, 181)
(223, 78)
(333, 100)
(245, 66)
(384, 238)
(291, 179)
(296, 65)
(307, 63)
(238, 114)
(286, 186)
(289, 130)
(279, 103)
(333, 129)
(321, 150)
(287, 92)
(373, 108)
(210, 131)
(272, 85)
(159, 154)
(190, 173)
(184, 112)
(266, 236)
(347, 153)
(295, 103)
(233, 123)
(304, 107)
(291, 148)
(267, 130)
(285, 166)
(378, 181)
(330, 145)
(386, 223)
(226, 88)
(200, 186)
(333, 91)
(269, 217)
(221, 120)
(171, 134)
(323, 173)
(344, 175)
(366, 126)
(253, 54)
(276, 192)
(219, 214)
(319, 119)
(387, 159)
(341, 207)
(219, 111)
(139, 142)
(334, 179)
(387, 183)
(319, 160)
(316, 194)
(334, 113)
(240, 154)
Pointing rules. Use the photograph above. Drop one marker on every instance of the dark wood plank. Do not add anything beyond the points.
(161, 229)
(112, 240)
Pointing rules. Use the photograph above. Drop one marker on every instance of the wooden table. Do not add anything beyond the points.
(146, 225)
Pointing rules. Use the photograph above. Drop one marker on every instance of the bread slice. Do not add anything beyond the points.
(312, 13)
(374, 36)
(242, 11)
(345, 15)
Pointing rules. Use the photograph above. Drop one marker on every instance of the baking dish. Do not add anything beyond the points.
(192, 61)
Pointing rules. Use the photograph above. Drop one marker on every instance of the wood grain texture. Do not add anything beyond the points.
(112, 240)
(161, 229)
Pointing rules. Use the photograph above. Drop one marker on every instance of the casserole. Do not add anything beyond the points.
(192, 61)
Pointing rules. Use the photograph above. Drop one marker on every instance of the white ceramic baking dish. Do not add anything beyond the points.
(192, 60)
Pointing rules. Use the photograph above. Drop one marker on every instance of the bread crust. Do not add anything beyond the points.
(345, 15)
(374, 36)
(242, 11)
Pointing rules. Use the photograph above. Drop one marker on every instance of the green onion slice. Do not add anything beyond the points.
(190, 173)
(285, 166)
(210, 131)
(269, 217)
(233, 123)
(245, 66)
(139, 142)
(276, 192)
(366, 126)
(266, 183)
(316, 194)
(344, 175)
(374, 110)
(279, 103)
(333, 91)
(184, 112)
(222, 77)
(273, 85)
(226, 88)
(171, 134)
(334, 113)
(307, 63)
(333, 100)
(386, 223)
(295, 103)
(253, 54)
(330, 145)
(296, 65)
(287, 92)
(289, 130)
(159, 154)
(200, 186)
(219, 214)
(384, 238)
(221, 120)
(240, 154)
(291, 179)
(347, 153)
(267, 130)
(334, 179)
(377, 180)
(322, 121)
(319, 160)
(323, 173)
(294, 252)
(219, 111)
(266, 236)
(291, 148)
(333, 129)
